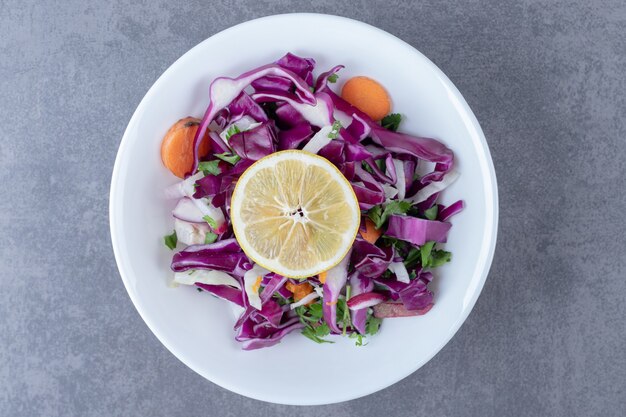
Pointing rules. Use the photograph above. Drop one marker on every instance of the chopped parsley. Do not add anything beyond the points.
(281, 300)
(380, 163)
(391, 121)
(425, 250)
(346, 311)
(367, 167)
(332, 78)
(171, 240)
(372, 325)
(317, 333)
(233, 130)
(379, 214)
(228, 157)
(413, 257)
(400, 245)
(431, 213)
(334, 132)
(210, 221)
(427, 256)
(439, 257)
(310, 316)
(359, 339)
(210, 167)
(210, 238)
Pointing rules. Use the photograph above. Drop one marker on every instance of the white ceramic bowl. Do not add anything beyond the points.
(198, 328)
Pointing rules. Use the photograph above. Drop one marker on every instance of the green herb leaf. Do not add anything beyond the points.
(301, 312)
(280, 300)
(341, 307)
(412, 257)
(372, 325)
(322, 330)
(171, 240)
(209, 167)
(425, 252)
(332, 78)
(210, 221)
(316, 333)
(312, 313)
(431, 213)
(334, 133)
(359, 339)
(400, 245)
(380, 164)
(375, 214)
(210, 238)
(391, 121)
(316, 311)
(310, 316)
(439, 257)
(379, 215)
(367, 167)
(346, 312)
(343, 313)
(228, 157)
(233, 130)
(427, 255)
(395, 207)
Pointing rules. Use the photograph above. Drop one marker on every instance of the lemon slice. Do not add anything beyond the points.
(294, 213)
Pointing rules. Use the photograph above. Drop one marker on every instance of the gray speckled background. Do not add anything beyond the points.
(547, 81)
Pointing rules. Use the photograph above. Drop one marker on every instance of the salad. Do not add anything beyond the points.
(306, 207)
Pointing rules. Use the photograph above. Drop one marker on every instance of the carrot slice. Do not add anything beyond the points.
(299, 290)
(368, 96)
(371, 233)
(257, 284)
(177, 146)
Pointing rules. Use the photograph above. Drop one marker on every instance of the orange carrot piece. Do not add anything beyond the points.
(322, 276)
(299, 290)
(177, 146)
(257, 284)
(371, 233)
(368, 96)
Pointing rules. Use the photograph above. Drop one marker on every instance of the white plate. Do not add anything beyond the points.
(196, 327)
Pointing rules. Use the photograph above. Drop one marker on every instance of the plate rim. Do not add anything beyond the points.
(491, 186)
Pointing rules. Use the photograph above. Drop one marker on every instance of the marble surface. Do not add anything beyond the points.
(547, 81)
